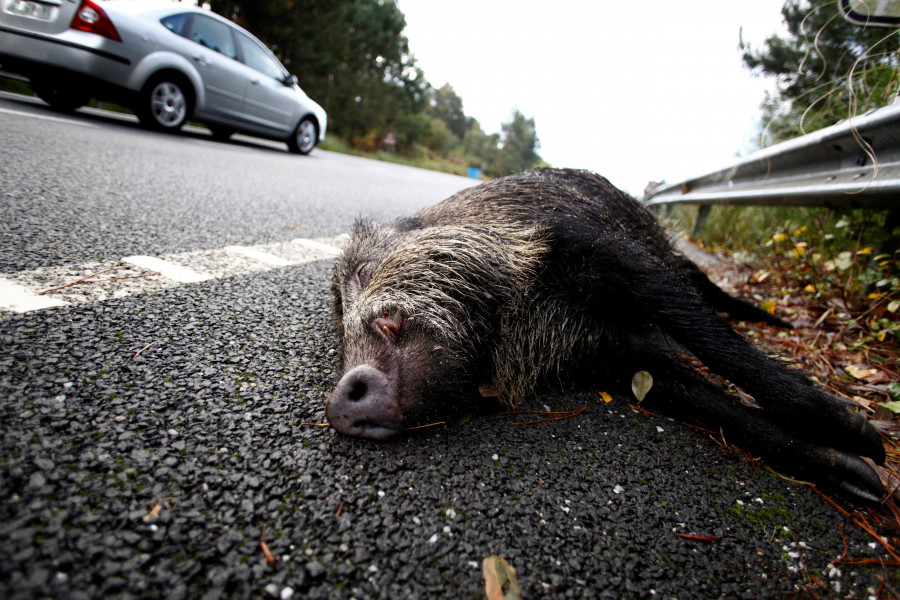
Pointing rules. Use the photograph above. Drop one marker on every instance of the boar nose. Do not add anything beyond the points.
(363, 405)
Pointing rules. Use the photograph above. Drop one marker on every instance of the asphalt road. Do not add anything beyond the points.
(154, 434)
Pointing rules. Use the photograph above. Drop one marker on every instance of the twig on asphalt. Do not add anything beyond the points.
(262, 544)
(87, 279)
(566, 414)
(699, 538)
(427, 425)
(142, 349)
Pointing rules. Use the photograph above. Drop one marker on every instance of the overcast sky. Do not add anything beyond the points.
(636, 90)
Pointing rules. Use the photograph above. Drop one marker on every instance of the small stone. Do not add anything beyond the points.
(315, 568)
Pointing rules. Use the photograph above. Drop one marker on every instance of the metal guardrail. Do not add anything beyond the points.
(10, 75)
(853, 164)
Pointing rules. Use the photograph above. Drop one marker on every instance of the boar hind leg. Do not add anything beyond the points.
(789, 399)
(678, 388)
(726, 303)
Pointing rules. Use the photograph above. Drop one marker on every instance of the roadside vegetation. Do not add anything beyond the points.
(836, 273)
(843, 264)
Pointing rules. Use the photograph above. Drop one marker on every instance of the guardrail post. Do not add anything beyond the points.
(891, 222)
(700, 221)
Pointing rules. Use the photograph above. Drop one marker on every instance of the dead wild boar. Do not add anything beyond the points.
(557, 276)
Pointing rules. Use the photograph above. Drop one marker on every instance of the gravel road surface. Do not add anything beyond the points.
(151, 442)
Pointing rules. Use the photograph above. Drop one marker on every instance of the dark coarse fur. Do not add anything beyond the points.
(555, 275)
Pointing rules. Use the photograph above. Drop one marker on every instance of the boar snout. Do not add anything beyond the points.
(364, 404)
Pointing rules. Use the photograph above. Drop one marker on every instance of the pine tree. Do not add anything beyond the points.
(519, 146)
(826, 68)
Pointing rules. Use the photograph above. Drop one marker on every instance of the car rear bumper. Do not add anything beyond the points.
(29, 52)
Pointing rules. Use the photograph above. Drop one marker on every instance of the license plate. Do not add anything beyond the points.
(32, 10)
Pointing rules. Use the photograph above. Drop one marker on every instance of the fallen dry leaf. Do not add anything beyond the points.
(157, 506)
(860, 373)
(154, 512)
(500, 580)
(641, 384)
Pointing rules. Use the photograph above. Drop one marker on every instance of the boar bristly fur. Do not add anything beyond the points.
(556, 276)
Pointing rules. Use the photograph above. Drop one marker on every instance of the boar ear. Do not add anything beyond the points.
(362, 228)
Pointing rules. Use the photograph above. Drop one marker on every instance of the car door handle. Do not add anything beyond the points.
(201, 60)
(255, 82)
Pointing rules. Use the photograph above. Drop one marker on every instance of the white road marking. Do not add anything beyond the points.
(266, 257)
(20, 299)
(22, 113)
(313, 244)
(97, 282)
(167, 269)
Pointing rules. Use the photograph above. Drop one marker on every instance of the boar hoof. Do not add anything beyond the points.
(363, 405)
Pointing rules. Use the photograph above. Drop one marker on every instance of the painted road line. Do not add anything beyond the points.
(266, 257)
(74, 284)
(315, 245)
(167, 269)
(21, 113)
(20, 299)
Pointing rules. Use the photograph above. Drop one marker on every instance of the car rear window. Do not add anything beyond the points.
(214, 35)
(176, 23)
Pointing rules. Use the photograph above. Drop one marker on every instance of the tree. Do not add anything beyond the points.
(440, 138)
(447, 106)
(826, 68)
(519, 146)
(474, 142)
(350, 55)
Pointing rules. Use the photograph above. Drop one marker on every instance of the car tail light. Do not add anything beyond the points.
(91, 18)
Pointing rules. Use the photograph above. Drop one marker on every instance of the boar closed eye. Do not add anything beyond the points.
(363, 274)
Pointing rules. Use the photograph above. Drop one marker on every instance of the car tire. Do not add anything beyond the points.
(165, 103)
(61, 95)
(305, 137)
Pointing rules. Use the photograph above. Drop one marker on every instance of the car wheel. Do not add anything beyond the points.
(61, 95)
(305, 137)
(220, 133)
(166, 103)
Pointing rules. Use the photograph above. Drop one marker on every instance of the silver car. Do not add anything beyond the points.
(168, 61)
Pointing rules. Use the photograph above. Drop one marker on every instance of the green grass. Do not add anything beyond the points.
(15, 86)
(424, 161)
(822, 255)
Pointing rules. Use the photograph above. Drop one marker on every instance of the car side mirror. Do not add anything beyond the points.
(291, 80)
